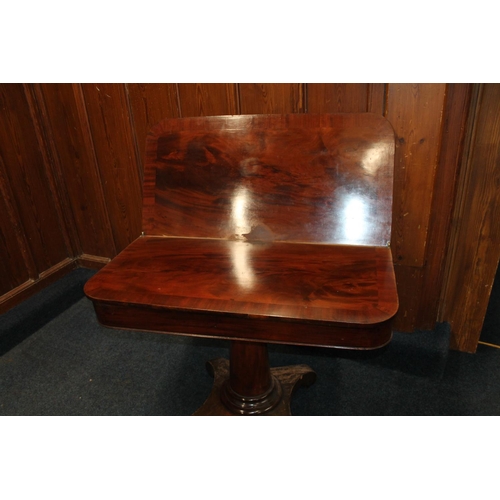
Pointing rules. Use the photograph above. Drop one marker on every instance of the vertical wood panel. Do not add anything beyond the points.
(78, 170)
(115, 151)
(28, 180)
(415, 111)
(269, 98)
(16, 262)
(377, 93)
(476, 229)
(55, 183)
(12, 269)
(207, 99)
(409, 285)
(337, 97)
(455, 121)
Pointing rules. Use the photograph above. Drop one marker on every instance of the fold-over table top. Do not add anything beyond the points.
(279, 218)
(330, 283)
(301, 178)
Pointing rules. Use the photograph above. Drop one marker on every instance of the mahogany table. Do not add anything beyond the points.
(260, 229)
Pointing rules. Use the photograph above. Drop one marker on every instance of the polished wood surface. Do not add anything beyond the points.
(100, 148)
(332, 283)
(260, 229)
(242, 327)
(288, 379)
(244, 378)
(250, 389)
(149, 104)
(306, 293)
(302, 178)
(233, 225)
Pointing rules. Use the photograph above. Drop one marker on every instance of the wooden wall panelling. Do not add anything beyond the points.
(475, 238)
(112, 136)
(57, 186)
(377, 98)
(27, 176)
(415, 112)
(454, 127)
(337, 97)
(16, 262)
(409, 281)
(150, 103)
(207, 99)
(269, 98)
(75, 162)
(12, 271)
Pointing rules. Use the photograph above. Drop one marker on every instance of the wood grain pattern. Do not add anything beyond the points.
(409, 281)
(110, 189)
(115, 150)
(200, 281)
(20, 293)
(445, 185)
(150, 103)
(288, 378)
(337, 97)
(244, 379)
(476, 235)
(302, 178)
(54, 182)
(92, 261)
(16, 262)
(336, 284)
(228, 327)
(78, 170)
(377, 96)
(266, 98)
(415, 112)
(27, 177)
(207, 99)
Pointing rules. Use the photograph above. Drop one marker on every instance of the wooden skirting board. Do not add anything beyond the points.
(46, 278)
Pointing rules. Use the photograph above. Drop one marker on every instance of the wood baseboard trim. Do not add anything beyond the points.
(46, 278)
(30, 287)
(91, 261)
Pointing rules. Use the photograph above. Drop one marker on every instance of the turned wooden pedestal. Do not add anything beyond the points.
(246, 385)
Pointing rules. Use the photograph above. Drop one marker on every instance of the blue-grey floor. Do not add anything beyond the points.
(65, 363)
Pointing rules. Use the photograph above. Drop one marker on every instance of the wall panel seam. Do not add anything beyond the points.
(53, 168)
(15, 217)
(87, 133)
(463, 180)
(138, 157)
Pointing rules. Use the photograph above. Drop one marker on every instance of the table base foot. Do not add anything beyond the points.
(288, 377)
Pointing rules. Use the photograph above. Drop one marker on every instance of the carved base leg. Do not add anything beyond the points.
(247, 386)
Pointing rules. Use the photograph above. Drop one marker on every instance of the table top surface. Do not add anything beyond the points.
(297, 178)
(331, 283)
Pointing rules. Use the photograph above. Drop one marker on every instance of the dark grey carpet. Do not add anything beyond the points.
(491, 326)
(64, 363)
